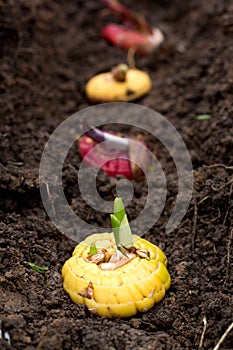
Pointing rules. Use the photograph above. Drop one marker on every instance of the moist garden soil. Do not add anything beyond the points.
(49, 49)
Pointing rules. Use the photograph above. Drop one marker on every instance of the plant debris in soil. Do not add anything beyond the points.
(48, 52)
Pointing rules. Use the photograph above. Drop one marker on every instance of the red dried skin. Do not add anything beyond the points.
(126, 38)
(120, 165)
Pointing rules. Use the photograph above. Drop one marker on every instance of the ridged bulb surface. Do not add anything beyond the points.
(135, 286)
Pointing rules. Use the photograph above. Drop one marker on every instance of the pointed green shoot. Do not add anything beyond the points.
(125, 234)
(120, 225)
(115, 227)
(119, 209)
(93, 249)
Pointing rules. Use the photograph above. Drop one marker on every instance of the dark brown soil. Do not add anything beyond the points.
(49, 49)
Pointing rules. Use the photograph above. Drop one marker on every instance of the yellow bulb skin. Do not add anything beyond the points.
(135, 286)
(104, 88)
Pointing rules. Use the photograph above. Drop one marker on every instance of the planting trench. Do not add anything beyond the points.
(48, 52)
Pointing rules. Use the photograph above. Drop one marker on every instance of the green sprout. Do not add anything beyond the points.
(37, 268)
(120, 225)
(93, 249)
(204, 117)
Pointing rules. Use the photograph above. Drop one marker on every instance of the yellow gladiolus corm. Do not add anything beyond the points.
(115, 279)
(122, 84)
